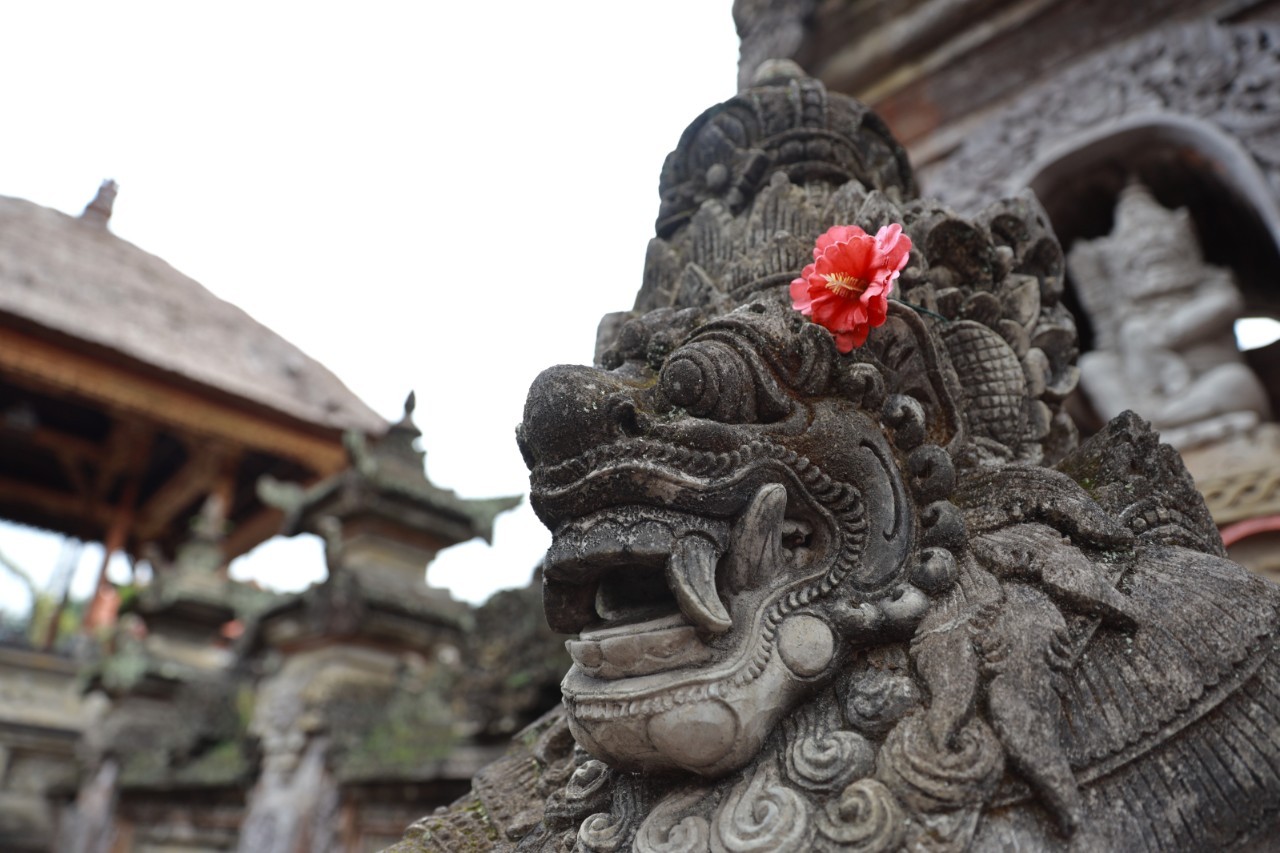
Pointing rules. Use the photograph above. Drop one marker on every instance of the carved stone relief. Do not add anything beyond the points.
(1163, 321)
(1224, 75)
(872, 601)
(1195, 107)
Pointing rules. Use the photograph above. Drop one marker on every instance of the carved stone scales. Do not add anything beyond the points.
(873, 601)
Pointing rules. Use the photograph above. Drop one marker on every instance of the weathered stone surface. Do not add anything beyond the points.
(41, 716)
(871, 601)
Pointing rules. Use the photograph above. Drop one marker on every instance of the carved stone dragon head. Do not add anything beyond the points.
(864, 601)
(736, 508)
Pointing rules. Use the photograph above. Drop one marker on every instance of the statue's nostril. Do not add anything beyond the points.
(623, 412)
(572, 409)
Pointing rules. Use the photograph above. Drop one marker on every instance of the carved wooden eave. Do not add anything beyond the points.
(129, 393)
(1225, 85)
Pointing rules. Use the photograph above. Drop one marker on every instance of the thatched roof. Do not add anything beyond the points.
(75, 277)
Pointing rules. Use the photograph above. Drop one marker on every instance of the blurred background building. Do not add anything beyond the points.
(185, 710)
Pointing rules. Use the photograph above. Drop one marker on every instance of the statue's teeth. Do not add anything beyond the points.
(756, 541)
(691, 574)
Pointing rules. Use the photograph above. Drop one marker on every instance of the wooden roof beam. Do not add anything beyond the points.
(176, 404)
(127, 450)
(59, 443)
(199, 476)
(55, 503)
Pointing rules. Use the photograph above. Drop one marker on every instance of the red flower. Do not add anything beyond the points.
(846, 288)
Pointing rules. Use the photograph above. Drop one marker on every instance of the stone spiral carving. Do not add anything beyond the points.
(937, 779)
(878, 697)
(602, 833)
(865, 818)
(588, 781)
(674, 827)
(761, 814)
(821, 758)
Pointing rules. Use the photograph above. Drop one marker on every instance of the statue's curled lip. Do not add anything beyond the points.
(638, 648)
(645, 586)
(627, 564)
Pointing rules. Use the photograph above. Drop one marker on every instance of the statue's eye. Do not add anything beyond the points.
(712, 379)
(693, 379)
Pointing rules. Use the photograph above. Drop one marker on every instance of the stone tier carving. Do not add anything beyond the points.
(873, 601)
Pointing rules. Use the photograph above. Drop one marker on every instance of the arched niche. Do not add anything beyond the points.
(1186, 162)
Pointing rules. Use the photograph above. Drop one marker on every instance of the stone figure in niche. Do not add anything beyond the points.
(870, 601)
(1163, 320)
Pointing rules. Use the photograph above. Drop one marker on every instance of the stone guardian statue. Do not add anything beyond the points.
(1163, 320)
(876, 600)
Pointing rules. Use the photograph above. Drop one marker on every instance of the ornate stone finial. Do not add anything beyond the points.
(98, 211)
(1164, 344)
(397, 454)
(387, 481)
(875, 600)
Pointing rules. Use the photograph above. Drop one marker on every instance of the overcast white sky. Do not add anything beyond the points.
(435, 196)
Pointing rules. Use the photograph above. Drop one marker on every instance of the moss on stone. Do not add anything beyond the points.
(464, 828)
(224, 763)
(402, 734)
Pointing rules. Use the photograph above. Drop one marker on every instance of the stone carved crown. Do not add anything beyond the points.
(803, 160)
(872, 601)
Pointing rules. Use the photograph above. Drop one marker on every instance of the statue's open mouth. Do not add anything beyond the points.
(645, 586)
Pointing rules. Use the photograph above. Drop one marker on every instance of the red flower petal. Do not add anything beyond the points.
(800, 296)
(837, 233)
(847, 286)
